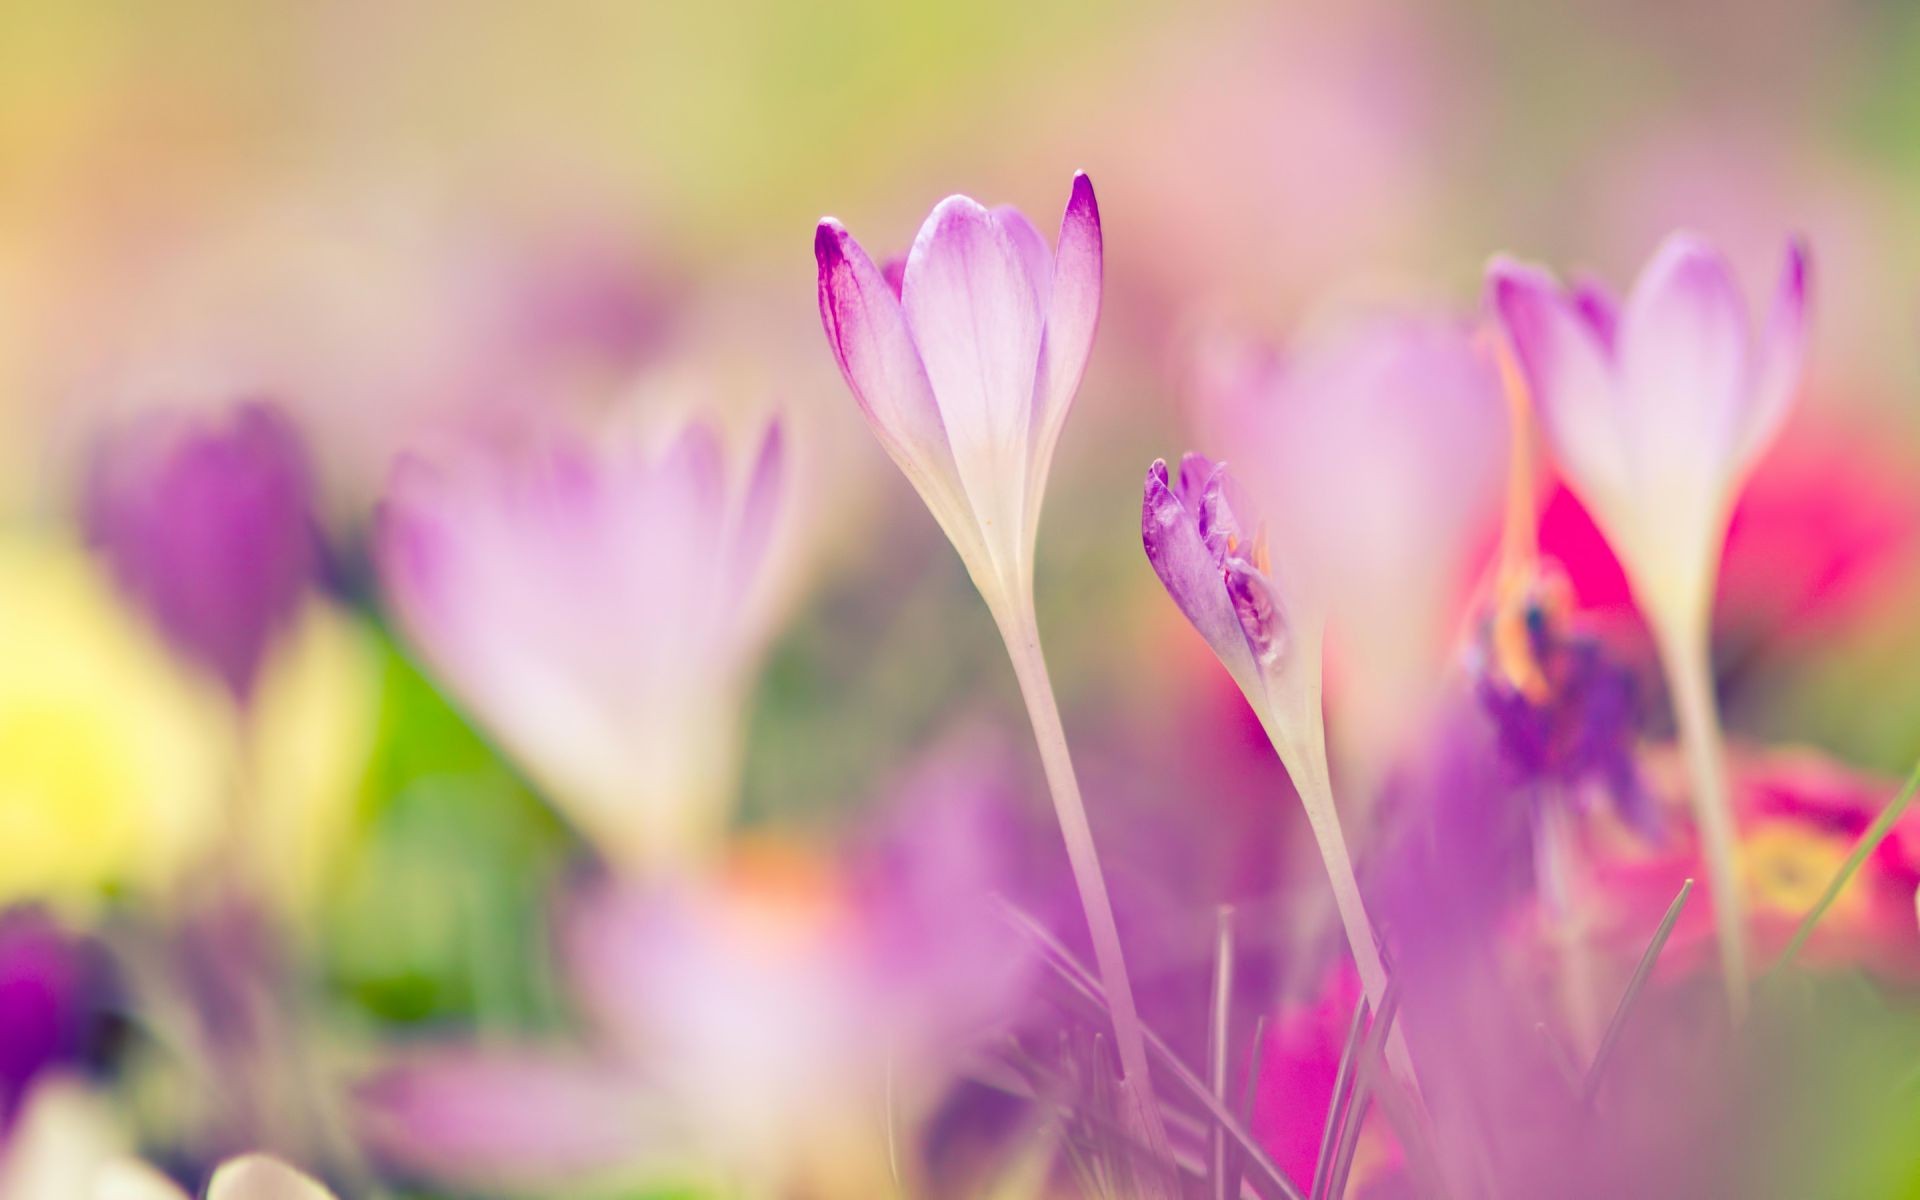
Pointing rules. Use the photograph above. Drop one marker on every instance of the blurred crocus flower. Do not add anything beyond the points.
(70, 1145)
(211, 525)
(967, 362)
(759, 1028)
(51, 988)
(1374, 447)
(114, 757)
(1657, 410)
(599, 609)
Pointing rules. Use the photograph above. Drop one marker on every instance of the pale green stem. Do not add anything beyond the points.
(1306, 762)
(1562, 888)
(1685, 657)
(1022, 634)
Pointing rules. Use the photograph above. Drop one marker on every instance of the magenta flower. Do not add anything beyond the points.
(599, 610)
(211, 526)
(1657, 410)
(966, 364)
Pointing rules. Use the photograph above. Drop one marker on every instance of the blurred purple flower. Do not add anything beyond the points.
(1658, 408)
(756, 1026)
(1374, 447)
(211, 526)
(967, 362)
(599, 610)
(50, 988)
(1575, 721)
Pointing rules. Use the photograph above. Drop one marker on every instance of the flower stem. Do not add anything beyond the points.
(1562, 887)
(1313, 781)
(1685, 658)
(1022, 635)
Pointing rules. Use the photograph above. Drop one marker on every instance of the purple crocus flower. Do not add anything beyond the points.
(1657, 411)
(966, 364)
(599, 609)
(1658, 408)
(211, 525)
(49, 986)
(1219, 578)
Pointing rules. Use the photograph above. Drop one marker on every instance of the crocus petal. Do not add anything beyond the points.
(1073, 316)
(130, 1179)
(1779, 357)
(977, 323)
(1684, 352)
(257, 1177)
(1191, 574)
(1598, 306)
(1569, 372)
(508, 1115)
(1195, 471)
(1256, 604)
(867, 328)
(759, 507)
(1032, 246)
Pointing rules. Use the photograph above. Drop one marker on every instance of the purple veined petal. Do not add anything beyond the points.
(759, 512)
(1073, 317)
(1191, 486)
(1569, 372)
(894, 271)
(1256, 605)
(867, 328)
(258, 1177)
(973, 314)
(1779, 357)
(1685, 350)
(1191, 573)
(1219, 527)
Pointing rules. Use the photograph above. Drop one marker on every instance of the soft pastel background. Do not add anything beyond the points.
(386, 218)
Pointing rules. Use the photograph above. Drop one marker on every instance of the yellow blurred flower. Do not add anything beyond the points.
(112, 759)
(316, 720)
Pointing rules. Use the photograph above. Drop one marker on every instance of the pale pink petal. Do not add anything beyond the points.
(977, 322)
(1684, 348)
(1073, 314)
(759, 507)
(1032, 245)
(1570, 374)
(507, 1116)
(1779, 357)
(257, 1177)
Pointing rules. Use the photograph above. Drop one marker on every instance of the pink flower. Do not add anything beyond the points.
(967, 362)
(1374, 451)
(599, 610)
(1657, 410)
(756, 1027)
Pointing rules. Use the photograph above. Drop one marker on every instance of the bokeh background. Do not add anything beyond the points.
(388, 218)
